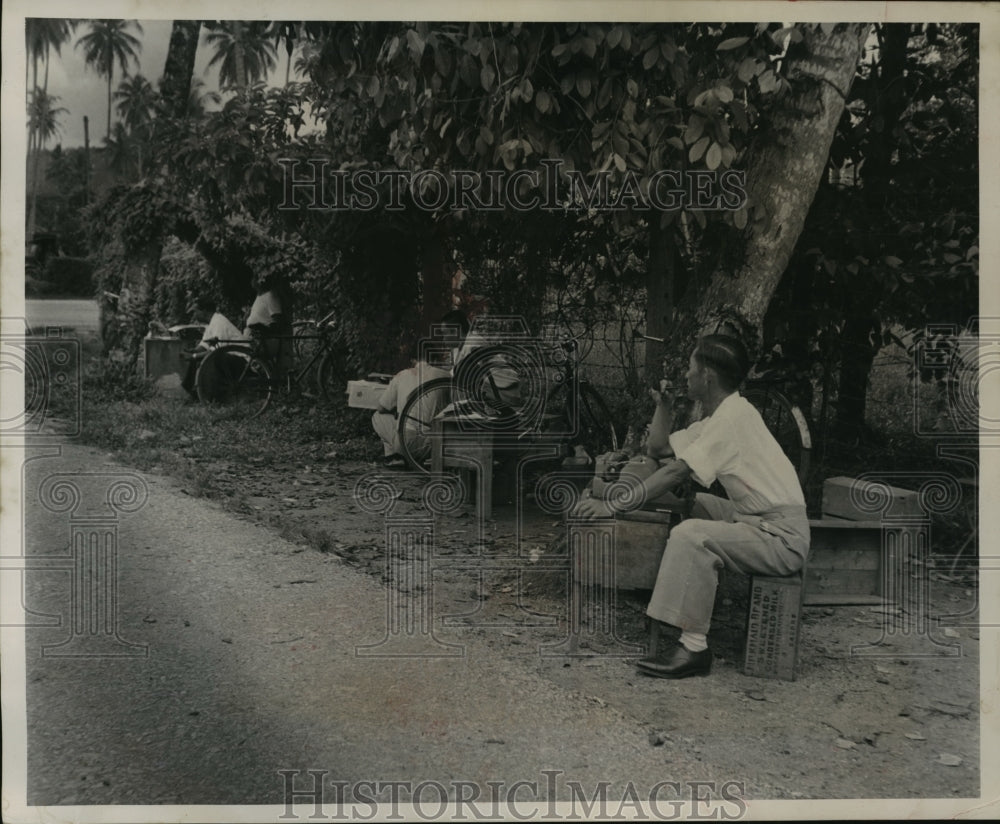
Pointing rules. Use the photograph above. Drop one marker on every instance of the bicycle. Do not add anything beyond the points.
(782, 416)
(550, 402)
(243, 376)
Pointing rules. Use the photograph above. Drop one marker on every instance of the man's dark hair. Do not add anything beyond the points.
(726, 356)
(206, 303)
(456, 317)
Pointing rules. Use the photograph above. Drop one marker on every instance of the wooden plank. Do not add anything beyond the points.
(818, 599)
(837, 501)
(845, 583)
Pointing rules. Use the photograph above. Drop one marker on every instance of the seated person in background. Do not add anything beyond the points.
(500, 385)
(218, 328)
(760, 529)
(386, 419)
(270, 319)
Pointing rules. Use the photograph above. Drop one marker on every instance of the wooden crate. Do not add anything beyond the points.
(162, 356)
(845, 562)
(640, 537)
(772, 637)
(364, 394)
(837, 502)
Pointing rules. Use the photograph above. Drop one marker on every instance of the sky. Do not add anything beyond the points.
(82, 91)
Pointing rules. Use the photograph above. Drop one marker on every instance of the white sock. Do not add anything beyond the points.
(694, 641)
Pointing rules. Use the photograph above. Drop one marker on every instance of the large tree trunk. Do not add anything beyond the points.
(179, 68)
(784, 170)
(143, 269)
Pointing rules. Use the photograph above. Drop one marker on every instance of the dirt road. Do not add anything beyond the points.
(254, 654)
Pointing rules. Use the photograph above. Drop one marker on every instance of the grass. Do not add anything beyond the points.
(129, 419)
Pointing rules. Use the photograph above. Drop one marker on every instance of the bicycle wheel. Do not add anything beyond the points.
(234, 378)
(787, 423)
(415, 423)
(595, 427)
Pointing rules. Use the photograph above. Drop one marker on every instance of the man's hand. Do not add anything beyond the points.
(591, 508)
(662, 395)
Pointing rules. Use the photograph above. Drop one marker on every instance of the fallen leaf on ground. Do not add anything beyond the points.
(915, 736)
(844, 744)
(949, 760)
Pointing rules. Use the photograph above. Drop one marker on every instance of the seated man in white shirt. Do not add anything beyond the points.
(218, 328)
(761, 529)
(385, 420)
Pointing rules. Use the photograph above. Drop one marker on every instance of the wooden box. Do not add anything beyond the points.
(640, 537)
(162, 356)
(772, 640)
(845, 562)
(837, 502)
(364, 394)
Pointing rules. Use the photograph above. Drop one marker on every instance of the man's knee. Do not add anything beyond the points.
(690, 532)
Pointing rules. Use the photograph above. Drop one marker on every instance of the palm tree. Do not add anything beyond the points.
(136, 107)
(136, 102)
(243, 51)
(121, 151)
(108, 42)
(287, 32)
(43, 122)
(198, 99)
(41, 36)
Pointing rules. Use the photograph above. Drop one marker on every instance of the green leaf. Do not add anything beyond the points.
(724, 93)
(740, 218)
(632, 87)
(695, 128)
(619, 162)
(542, 101)
(698, 149)
(713, 157)
(746, 70)
(567, 82)
(416, 44)
(893, 261)
(583, 85)
(604, 95)
(650, 57)
(589, 47)
(732, 43)
(614, 37)
(486, 77)
(527, 90)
